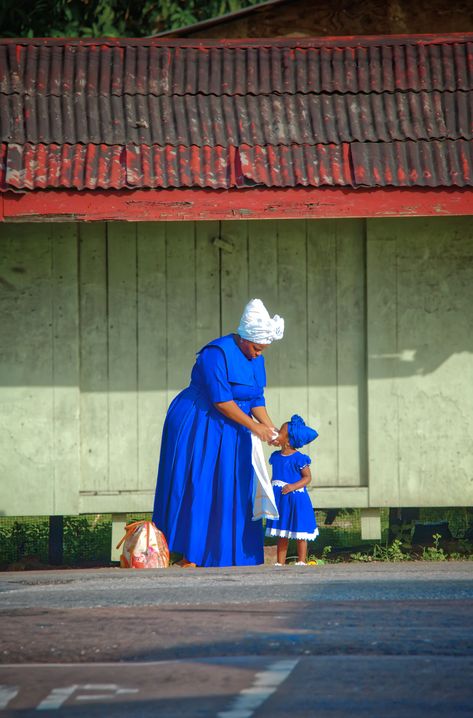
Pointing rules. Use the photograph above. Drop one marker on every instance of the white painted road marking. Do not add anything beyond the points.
(7, 694)
(56, 698)
(59, 696)
(112, 687)
(248, 695)
(265, 684)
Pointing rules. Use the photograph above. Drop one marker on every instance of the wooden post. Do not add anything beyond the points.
(118, 530)
(56, 540)
(370, 524)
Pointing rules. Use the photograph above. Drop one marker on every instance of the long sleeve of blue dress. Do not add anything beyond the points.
(213, 370)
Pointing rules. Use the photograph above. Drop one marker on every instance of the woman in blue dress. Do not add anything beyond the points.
(203, 501)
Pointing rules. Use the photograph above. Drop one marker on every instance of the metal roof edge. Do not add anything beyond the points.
(227, 17)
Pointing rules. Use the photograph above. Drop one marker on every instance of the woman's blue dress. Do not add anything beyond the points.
(296, 515)
(203, 501)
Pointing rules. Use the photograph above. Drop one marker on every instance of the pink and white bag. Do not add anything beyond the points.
(144, 546)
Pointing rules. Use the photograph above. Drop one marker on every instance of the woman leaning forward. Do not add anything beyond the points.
(203, 501)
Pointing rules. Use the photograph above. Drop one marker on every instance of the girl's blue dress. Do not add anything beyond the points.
(296, 515)
(203, 501)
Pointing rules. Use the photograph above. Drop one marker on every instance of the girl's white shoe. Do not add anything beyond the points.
(300, 563)
(278, 564)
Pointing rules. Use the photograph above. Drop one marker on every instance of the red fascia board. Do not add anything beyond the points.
(255, 203)
(203, 43)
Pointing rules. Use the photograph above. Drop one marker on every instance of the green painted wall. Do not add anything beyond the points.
(100, 324)
(420, 361)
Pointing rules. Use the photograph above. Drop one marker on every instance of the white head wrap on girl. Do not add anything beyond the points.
(257, 326)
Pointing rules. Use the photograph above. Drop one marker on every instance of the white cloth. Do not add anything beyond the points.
(264, 503)
(257, 326)
(284, 483)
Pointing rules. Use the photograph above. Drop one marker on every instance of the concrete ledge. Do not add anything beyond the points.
(117, 503)
(344, 497)
(350, 497)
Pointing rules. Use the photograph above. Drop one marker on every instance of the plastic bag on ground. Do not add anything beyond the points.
(144, 546)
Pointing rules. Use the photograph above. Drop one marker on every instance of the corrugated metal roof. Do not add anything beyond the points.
(403, 164)
(413, 164)
(159, 68)
(147, 113)
(116, 167)
(230, 121)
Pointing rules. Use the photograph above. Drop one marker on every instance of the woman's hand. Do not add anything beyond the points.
(278, 440)
(265, 433)
(286, 489)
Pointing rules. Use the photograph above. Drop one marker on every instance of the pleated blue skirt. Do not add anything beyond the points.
(296, 516)
(203, 499)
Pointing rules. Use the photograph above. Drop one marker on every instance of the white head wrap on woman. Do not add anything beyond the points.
(257, 326)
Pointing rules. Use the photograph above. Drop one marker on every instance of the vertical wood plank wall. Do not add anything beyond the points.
(101, 323)
(39, 380)
(420, 354)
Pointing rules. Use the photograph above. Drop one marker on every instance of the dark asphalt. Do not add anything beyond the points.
(375, 640)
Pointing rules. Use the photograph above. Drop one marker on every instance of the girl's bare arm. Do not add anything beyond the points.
(305, 480)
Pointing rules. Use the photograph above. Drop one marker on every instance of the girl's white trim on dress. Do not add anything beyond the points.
(277, 482)
(293, 534)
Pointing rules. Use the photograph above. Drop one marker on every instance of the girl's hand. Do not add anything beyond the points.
(286, 489)
(265, 433)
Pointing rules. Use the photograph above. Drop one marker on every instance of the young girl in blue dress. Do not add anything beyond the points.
(291, 476)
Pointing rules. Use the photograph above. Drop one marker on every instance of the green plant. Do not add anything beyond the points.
(390, 553)
(312, 559)
(382, 553)
(458, 521)
(325, 552)
(361, 556)
(107, 18)
(85, 540)
(434, 553)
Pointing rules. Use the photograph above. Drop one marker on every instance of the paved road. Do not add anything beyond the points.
(332, 582)
(370, 640)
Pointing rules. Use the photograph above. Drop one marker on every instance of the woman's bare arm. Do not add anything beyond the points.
(232, 411)
(261, 415)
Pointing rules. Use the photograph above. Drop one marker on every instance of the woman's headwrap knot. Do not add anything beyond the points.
(299, 433)
(257, 326)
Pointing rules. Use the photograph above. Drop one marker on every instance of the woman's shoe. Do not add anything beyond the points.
(300, 563)
(184, 563)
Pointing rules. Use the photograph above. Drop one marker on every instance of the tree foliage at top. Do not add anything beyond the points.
(107, 18)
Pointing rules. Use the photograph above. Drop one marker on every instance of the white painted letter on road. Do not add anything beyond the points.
(98, 692)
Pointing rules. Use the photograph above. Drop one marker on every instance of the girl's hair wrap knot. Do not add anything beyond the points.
(299, 433)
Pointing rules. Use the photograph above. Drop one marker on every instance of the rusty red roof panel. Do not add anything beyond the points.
(117, 167)
(152, 113)
(401, 164)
